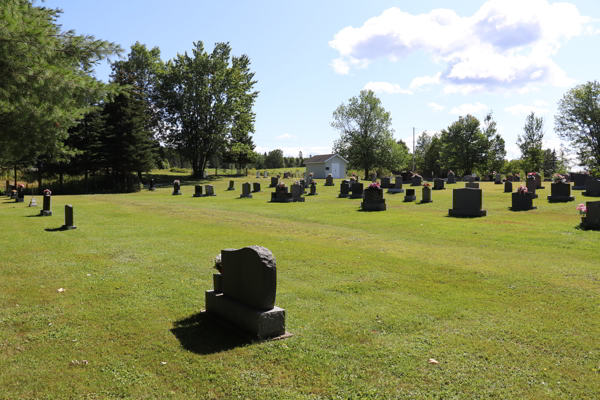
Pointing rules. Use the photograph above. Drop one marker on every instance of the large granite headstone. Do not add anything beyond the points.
(374, 177)
(451, 178)
(209, 190)
(176, 189)
(580, 180)
(531, 186)
(266, 174)
(281, 195)
(592, 217)
(313, 189)
(256, 187)
(198, 191)
(467, 202)
(426, 194)
(472, 185)
(373, 200)
(508, 187)
(498, 180)
(231, 185)
(522, 201)
(385, 182)
(329, 181)
(257, 174)
(246, 190)
(592, 188)
(344, 189)
(152, 187)
(397, 188)
(560, 192)
(274, 181)
(69, 218)
(357, 191)
(248, 285)
(20, 194)
(438, 184)
(297, 192)
(416, 180)
(538, 182)
(410, 195)
(46, 210)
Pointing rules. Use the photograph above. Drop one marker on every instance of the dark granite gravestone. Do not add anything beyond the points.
(438, 184)
(297, 192)
(580, 180)
(46, 210)
(509, 178)
(329, 181)
(451, 178)
(231, 185)
(286, 175)
(397, 188)
(274, 181)
(538, 182)
(69, 218)
(248, 284)
(522, 202)
(471, 179)
(592, 188)
(467, 202)
(410, 195)
(516, 178)
(357, 191)
(176, 189)
(20, 194)
(313, 189)
(246, 193)
(374, 177)
(344, 189)
(508, 187)
(498, 180)
(426, 194)
(209, 190)
(281, 195)
(472, 185)
(531, 186)
(152, 188)
(198, 191)
(416, 180)
(406, 176)
(592, 216)
(373, 200)
(560, 192)
(385, 182)
(256, 187)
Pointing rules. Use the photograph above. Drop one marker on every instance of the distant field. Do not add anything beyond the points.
(508, 304)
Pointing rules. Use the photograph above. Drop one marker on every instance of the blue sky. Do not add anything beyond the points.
(428, 61)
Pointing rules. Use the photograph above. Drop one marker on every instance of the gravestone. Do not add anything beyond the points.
(438, 184)
(281, 195)
(374, 177)
(198, 191)
(580, 180)
(471, 179)
(509, 178)
(205, 174)
(406, 176)
(426, 194)
(297, 192)
(248, 286)
(397, 188)
(385, 182)
(516, 178)
(329, 181)
(498, 180)
(46, 210)
(416, 180)
(209, 190)
(286, 175)
(467, 202)
(522, 201)
(313, 189)
(256, 187)
(246, 190)
(257, 174)
(69, 218)
(152, 188)
(304, 183)
(20, 194)
(507, 187)
(560, 192)
(344, 189)
(472, 185)
(266, 174)
(373, 200)
(32, 203)
(531, 185)
(231, 185)
(451, 178)
(176, 189)
(410, 195)
(592, 216)
(592, 188)
(274, 181)
(357, 191)
(538, 182)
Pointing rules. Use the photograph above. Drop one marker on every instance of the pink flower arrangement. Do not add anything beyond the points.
(582, 209)
(531, 175)
(281, 185)
(558, 178)
(427, 185)
(374, 185)
(21, 185)
(47, 192)
(522, 190)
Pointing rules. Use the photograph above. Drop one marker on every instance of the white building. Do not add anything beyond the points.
(326, 164)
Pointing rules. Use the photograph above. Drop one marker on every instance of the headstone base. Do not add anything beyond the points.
(453, 212)
(286, 199)
(356, 196)
(497, 183)
(472, 185)
(523, 208)
(18, 200)
(371, 206)
(152, 189)
(261, 324)
(68, 227)
(591, 194)
(312, 194)
(298, 199)
(408, 199)
(199, 195)
(247, 196)
(178, 193)
(578, 188)
(343, 196)
(391, 190)
(328, 184)
(426, 201)
(45, 213)
(230, 188)
(560, 199)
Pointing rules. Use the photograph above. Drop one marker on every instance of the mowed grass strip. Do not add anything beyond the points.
(508, 304)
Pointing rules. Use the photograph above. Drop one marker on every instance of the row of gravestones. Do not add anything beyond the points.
(46, 210)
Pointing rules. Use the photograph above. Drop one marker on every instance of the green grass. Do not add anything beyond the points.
(508, 304)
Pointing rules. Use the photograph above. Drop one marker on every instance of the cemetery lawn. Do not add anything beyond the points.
(508, 304)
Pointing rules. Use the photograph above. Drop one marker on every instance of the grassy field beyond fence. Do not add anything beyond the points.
(507, 304)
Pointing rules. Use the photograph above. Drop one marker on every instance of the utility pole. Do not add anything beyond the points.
(413, 150)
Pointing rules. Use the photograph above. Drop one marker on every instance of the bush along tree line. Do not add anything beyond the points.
(468, 145)
(60, 120)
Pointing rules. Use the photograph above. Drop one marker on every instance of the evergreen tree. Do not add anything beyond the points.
(530, 143)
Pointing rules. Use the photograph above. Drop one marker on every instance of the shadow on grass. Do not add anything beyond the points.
(61, 229)
(201, 334)
(10, 202)
(33, 216)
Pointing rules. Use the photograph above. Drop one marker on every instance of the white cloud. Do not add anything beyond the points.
(436, 107)
(340, 66)
(540, 103)
(286, 136)
(513, 152)
(521, 109)
(386, 87)
(466, 108)
(506, 45)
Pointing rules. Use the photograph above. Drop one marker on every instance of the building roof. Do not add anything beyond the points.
(322, 158)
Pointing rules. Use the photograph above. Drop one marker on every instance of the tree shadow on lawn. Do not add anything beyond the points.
(201, 334)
